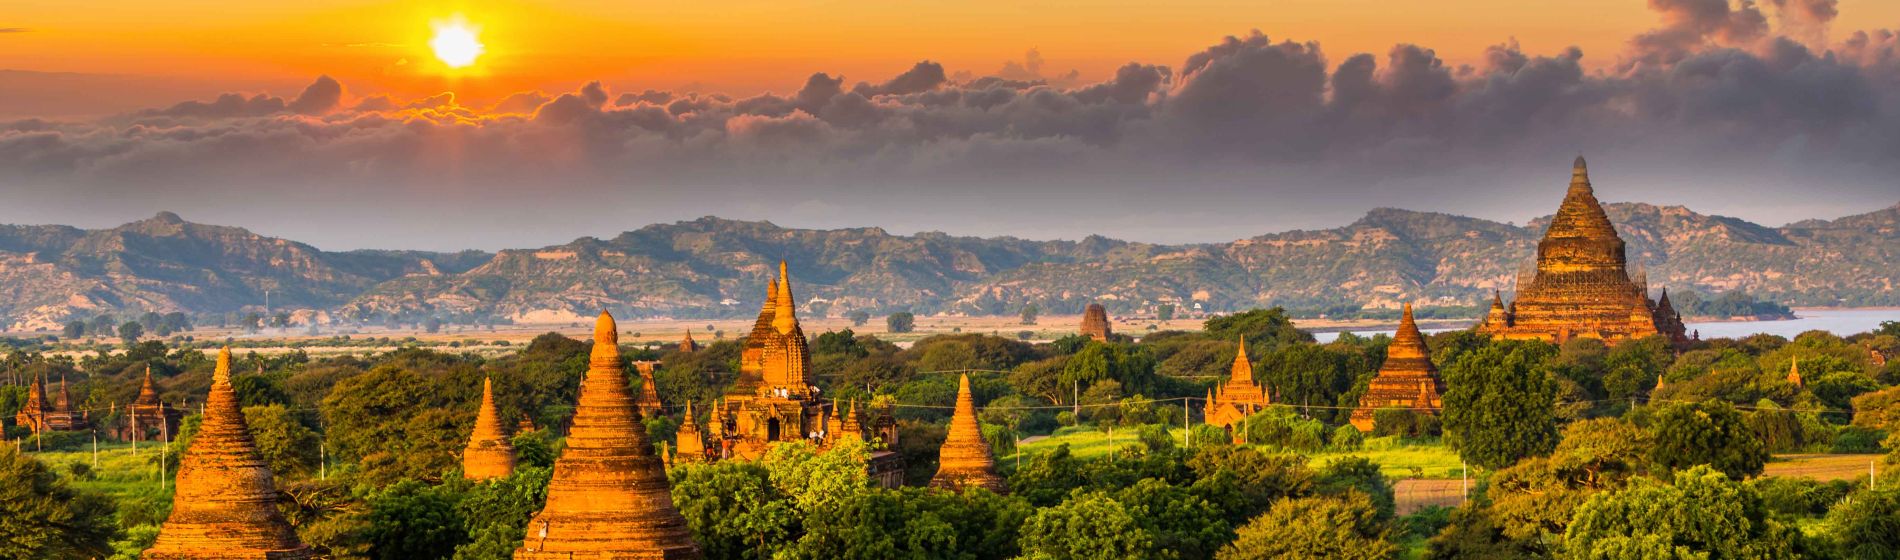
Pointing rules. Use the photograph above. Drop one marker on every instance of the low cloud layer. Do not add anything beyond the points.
(1737, 108)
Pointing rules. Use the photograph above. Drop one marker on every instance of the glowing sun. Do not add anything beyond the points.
(456, 43)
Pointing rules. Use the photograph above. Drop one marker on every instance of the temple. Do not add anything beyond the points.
(1407, 380)
(965, 459)
(148, 416)
(489, 453)
(688, 345)
(692, 444)
(1095, 323)
(1581, 286)
(609, 496)
(649, 401)
(225, 506)
(1232, 401)
(773, 400)
(1794, 373)
(39, 415)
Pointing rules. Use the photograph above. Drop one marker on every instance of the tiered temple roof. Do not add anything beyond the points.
(692, 445)
(1095, 322)
(1582, 286)
(649, 401)
(609, 496)
(225, 506)
(32, 416)
(687, 344)
(1238, 397)
(489, 453)
(148, 415)
(1406, 380)
(965, 459)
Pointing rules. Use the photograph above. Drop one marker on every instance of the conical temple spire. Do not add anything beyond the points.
(783, 310)
(489, 453)
(1794, 372)
(1242, 370)
(1407, 379)
(965, 459)
(225, 506)
(609, 495)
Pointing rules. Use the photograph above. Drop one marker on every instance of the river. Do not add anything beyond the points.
(1838, 321)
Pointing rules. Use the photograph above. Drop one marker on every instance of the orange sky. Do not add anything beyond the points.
(747, 46)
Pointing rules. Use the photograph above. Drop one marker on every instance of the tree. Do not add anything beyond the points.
(1317, 527)
(1500, 404)
(1029, 314)
(1707, 433)
(858, 317)
(1087, 526)
(74, 330)
(287, 446)
(1264, 329)
(130, 332)
(41, 517)
(734, 509)
(495, 514)
(900, 322)
(1704, 514)
(412, 519)
(1862, 526)
(1164, 312)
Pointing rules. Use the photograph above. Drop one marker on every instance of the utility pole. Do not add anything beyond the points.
(95, 449)
(1077, 403)
(1464, 482)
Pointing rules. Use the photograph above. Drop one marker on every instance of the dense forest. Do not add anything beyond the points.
(1574, 451)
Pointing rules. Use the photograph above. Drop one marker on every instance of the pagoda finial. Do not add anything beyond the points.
(223, 373)
(489, 453)
(782, 313)
(606, 337)
(1580, 175)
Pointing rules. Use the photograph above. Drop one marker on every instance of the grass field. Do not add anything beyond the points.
(127, 478)
(1396, 460)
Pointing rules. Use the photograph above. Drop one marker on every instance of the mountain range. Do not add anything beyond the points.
(714, 267)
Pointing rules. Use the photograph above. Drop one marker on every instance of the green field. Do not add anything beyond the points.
(1396, 459)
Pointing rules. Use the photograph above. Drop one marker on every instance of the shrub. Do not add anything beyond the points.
(1347, 438)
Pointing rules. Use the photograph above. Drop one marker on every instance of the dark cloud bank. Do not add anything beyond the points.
(1742, 109)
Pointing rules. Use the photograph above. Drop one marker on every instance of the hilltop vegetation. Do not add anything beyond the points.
(712, 267)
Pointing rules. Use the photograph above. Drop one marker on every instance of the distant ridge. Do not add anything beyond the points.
(712, 267)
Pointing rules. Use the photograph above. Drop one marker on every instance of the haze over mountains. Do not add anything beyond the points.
(713, 267)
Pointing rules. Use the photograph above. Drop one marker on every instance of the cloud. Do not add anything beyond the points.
(5, 30)
(1713, 87)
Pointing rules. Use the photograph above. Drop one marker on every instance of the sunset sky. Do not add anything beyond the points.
(1195, 130)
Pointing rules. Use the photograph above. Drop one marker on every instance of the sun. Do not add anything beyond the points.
(456, 43)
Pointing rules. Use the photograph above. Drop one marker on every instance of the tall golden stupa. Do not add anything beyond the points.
(489, 453)
(225, 506)
(609, 497)
(965, 460)
(1407, 380)
(1582, 286)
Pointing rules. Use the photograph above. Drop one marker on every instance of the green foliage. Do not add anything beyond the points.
(1704, 514)
(396, 422)
(413, 519)
(1405, 423)
(1708, 433)
(1265, 330)
(532, 449)
(287, 446)
(1317, 527)
(1358, 475)
(1243, 482)
(1867, 525)
(1087, 526)
(43, 518)
(1499, 405)
(915, 523)
(1799, 496)
(1731, 304)
(900, 322)
(733, 509)
(495, 513)
(1308, 374)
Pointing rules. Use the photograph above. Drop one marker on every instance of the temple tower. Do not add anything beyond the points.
(33, 415)
(1582, 285)
(1095, 323)
(1238, 397)
(489, 453)
(691, 444)
(609, 495)
(965, 459)
(688, 345)
(225, 506)
(1406, 380)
